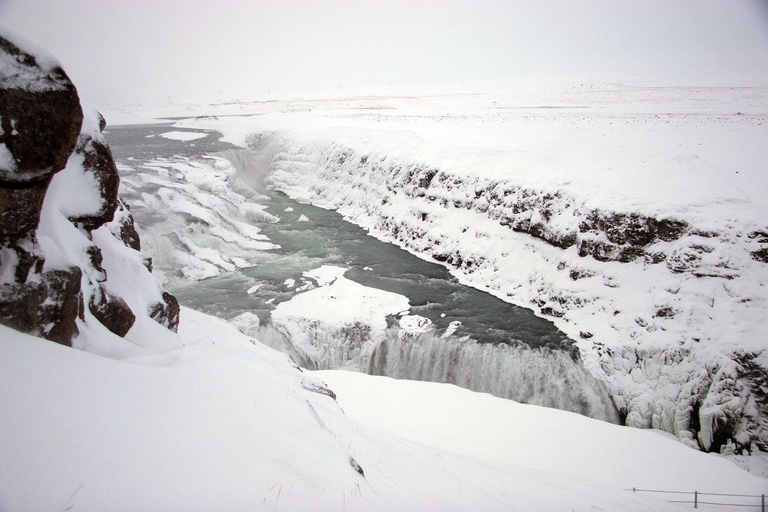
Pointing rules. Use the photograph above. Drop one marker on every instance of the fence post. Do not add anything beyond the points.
(695, 499)
(762, 502)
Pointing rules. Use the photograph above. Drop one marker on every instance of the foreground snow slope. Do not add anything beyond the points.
(498, 431)
(224, 423)
(630, 214)
(221, 424)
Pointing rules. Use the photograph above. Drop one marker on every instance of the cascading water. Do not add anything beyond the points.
(533, 375)
(538, 376)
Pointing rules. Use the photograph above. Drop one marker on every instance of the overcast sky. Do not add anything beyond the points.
(131, 51)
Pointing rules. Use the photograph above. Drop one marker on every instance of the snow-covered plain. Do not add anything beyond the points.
(629, 213)
(494, 430)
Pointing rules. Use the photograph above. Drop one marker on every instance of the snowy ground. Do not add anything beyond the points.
(455, 420)
(222, 422)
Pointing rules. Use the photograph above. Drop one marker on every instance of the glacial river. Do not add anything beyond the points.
(499, 347)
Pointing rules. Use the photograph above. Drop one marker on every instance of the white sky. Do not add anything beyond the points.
(129, 51)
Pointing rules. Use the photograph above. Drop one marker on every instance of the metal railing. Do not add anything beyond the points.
(755, 501)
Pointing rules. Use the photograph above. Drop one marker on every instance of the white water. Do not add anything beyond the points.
(538, 376)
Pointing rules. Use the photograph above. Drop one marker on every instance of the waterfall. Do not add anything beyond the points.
(538, 376)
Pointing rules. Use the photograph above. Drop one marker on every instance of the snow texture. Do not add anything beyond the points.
(488, 428)
(210, 419)
(343, 324)
(330, 325)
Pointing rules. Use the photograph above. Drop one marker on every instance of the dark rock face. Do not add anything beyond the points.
(48, 307)
(625, 236)
(40, 119)
(112, 312)
(63, 304)
(166, 313)
(20, 207)
(39, 127)
(98, 162)
(41, 132)
(123, 227)
(761, 255)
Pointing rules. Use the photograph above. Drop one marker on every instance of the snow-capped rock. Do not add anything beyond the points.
(58, 199)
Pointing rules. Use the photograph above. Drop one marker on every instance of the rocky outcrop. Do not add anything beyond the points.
(124, 228)
(166, 312)
(54, 159)
(48, 306)
(40, 118)
(112, 312)
(98, 162)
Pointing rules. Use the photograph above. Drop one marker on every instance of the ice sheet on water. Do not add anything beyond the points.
(183, 136)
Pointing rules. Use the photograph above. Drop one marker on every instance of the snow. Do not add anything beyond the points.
(196, 215)
(211, 419)
(183, 136)
(502, 432)
(247, 323)
(346, 325)
(7, 162)
(415, 324)
(74, 180)
(222, 422)
(17, 74)
(325, 275)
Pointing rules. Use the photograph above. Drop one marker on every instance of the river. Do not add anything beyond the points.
(498, 347)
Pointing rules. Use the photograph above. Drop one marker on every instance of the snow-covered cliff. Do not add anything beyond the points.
(68, 255)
